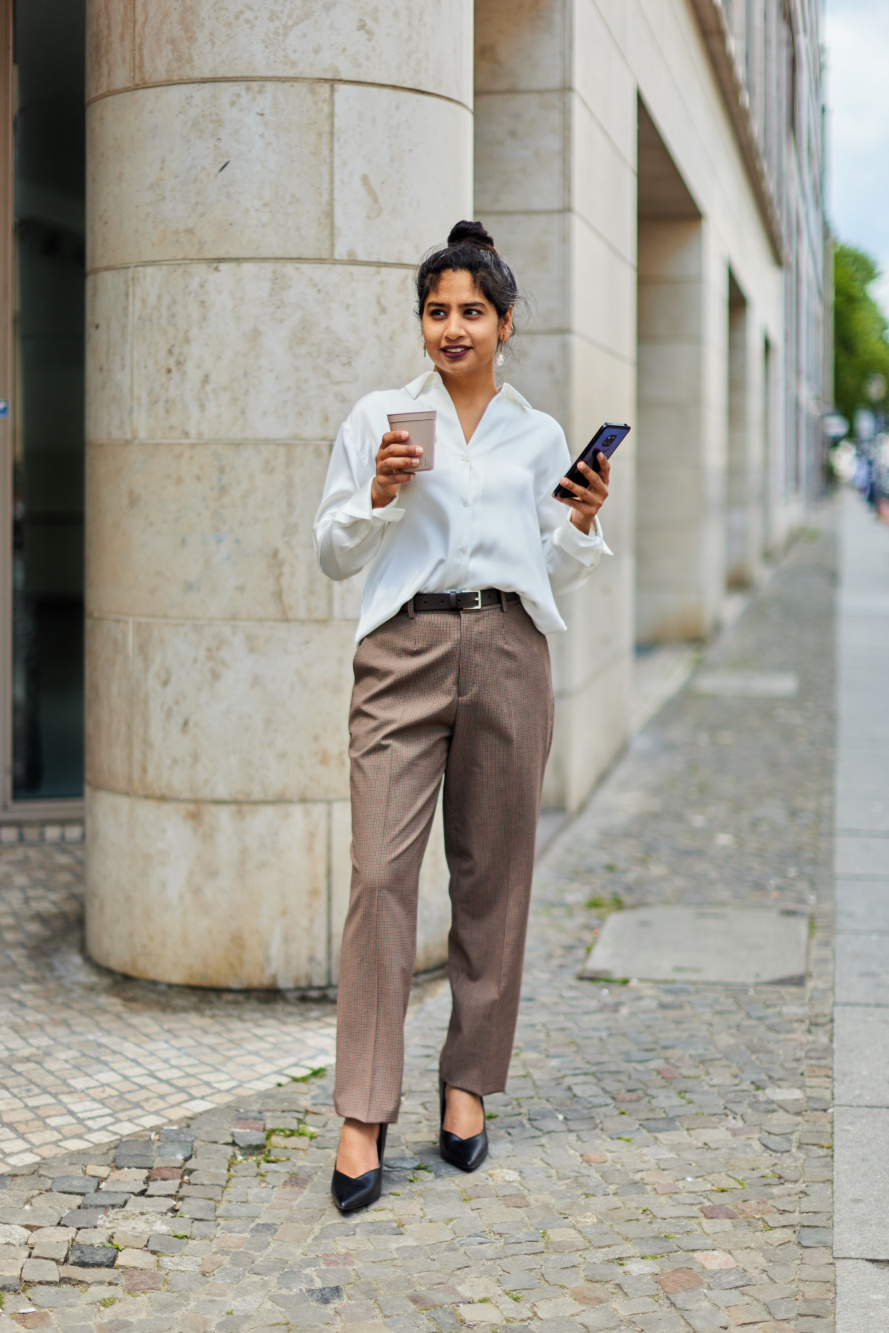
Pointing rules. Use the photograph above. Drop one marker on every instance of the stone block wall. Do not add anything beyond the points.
(554, 172)
(261, 184)
(262, 181)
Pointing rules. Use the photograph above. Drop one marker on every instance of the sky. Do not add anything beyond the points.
(857, 40)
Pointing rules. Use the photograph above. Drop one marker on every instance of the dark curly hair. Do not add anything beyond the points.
(471, 248)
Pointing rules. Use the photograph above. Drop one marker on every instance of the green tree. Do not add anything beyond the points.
(861, 347)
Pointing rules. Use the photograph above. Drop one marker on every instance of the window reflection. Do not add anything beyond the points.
(47, 721)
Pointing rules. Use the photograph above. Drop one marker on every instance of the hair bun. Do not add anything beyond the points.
(471, 233)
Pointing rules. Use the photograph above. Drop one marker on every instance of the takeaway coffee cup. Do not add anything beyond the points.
(422, 432)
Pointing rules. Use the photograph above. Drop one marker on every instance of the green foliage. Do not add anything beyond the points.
(861, 346)
(304, 1078)
(604, 906)
(302, 1131)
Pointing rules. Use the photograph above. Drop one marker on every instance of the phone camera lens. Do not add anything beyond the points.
(610, 440)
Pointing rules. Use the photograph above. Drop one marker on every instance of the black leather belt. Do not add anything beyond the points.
(473, 600)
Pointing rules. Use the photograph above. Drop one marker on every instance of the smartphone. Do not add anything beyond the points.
(605, 441)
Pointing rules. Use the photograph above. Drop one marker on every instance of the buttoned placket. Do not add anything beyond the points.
(467, 515)
(467, 501)
(468, 484)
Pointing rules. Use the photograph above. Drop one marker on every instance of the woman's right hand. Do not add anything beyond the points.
(396, 463)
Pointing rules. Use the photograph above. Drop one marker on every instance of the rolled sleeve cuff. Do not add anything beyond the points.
(359, 508)
(583, 546)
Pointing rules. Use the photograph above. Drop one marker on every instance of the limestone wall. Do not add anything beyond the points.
(559, 85)
(555, 162)
(262, 180)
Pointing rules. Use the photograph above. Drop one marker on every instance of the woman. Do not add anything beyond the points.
(452, 681)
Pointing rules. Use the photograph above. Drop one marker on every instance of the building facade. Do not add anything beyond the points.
(219, 261)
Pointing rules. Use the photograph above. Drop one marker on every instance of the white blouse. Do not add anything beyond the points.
(484, 517)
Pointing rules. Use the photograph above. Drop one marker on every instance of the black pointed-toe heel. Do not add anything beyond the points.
(351, 1192)
(467, 1154)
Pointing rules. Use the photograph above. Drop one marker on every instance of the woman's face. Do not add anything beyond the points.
(461, 329)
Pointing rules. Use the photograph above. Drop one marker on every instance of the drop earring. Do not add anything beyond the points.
(498, 359)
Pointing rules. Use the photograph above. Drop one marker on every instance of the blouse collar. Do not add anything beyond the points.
(431, 378)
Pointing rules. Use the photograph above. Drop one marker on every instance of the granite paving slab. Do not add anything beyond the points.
(742, 946)
(862, 1178)
(863, 906)
(863, 854)
(861, 810)
(862, 1296)
(861, 1055)
(862, 969)
(754, 684)
(861, 1112)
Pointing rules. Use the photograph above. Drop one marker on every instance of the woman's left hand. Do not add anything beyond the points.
(586, 501)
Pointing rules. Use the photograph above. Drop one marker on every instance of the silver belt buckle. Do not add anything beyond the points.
(477, 594)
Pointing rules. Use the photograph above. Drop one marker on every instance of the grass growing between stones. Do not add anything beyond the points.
(605, 906)
(304, 1078)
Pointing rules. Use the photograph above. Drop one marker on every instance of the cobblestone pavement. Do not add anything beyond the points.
(662, 1158)
(86, 1056)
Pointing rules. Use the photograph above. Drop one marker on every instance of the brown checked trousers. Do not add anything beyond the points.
(465, 697)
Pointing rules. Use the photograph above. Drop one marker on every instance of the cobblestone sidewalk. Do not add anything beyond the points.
(662, 1159)
(86, 1056)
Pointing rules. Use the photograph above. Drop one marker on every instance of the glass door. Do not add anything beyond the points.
(45, 429)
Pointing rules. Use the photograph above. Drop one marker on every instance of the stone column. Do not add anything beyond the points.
(775, 510)
(555, 181)
(683, 382)
(261, 181)
(746, 443)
